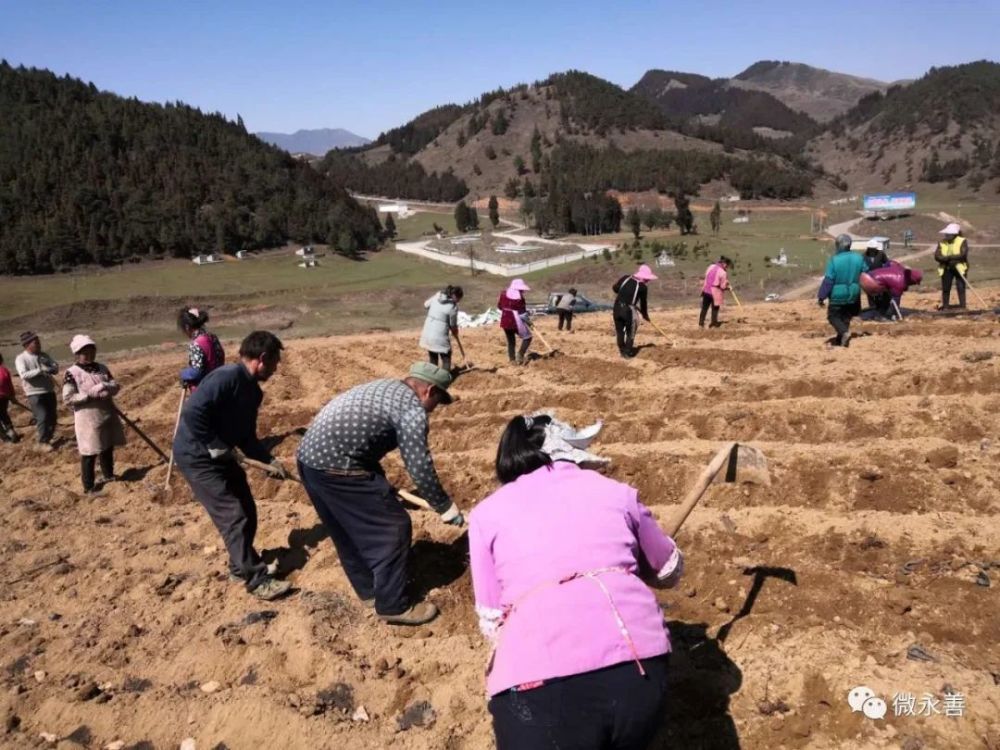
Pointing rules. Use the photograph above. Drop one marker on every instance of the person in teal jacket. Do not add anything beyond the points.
(842, 287)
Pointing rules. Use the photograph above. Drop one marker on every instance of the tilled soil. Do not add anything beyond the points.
(878, 532)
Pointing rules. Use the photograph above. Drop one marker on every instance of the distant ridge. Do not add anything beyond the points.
(316, 142)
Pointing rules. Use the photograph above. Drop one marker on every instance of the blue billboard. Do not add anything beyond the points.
(890, 202)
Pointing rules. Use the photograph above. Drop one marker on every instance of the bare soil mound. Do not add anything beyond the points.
(876, 542)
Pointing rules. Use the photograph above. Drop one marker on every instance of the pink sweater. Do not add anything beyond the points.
(543, 528)
(716, 282)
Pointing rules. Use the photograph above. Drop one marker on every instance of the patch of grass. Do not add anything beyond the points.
(422, 223)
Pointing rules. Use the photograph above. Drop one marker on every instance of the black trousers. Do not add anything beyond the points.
(614, 708)
(43, 406)
(511, 338)
(839, 316)
(951, 275)
(221, 487)
(371, 531)
(625, 329)
(707, 302)
(565, 316)
(87, 463)
(440, 360)
(6, 426)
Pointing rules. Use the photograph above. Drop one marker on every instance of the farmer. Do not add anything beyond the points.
(564, 307)
(36, 369)
(88, 389)
(339, 461)
(713, 290)
(441, 325)
(205, 353)
(580, 645)
(7, 432)
(219, 417)
(514, 319)
(841, 286)
(885, 287)
(630, 302)
(952, 256)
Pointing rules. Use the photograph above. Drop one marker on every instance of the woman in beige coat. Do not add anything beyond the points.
(88, 389)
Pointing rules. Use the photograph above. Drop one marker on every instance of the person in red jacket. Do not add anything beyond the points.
(7, 433)
(514, 319)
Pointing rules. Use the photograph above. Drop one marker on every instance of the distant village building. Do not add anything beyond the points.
(306, 252)
(205, 259)
(309, 262)
(241, 254)
(741, 220)
(664, 260)
(401, 210)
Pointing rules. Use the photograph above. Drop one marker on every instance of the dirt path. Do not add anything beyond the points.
(877, 533)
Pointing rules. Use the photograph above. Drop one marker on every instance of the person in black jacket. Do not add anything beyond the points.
(629, 302)
(220, 416)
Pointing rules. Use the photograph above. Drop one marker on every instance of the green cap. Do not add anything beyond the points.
(436, 376)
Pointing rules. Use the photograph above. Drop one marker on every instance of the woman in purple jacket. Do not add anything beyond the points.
(579, 640)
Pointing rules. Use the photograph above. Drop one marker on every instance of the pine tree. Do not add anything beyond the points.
(716, 218)
(462, 217)
(635, 222)
(494, 209)
(536, 151)
(390, 226)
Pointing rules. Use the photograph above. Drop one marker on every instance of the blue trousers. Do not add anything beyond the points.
(371, 531)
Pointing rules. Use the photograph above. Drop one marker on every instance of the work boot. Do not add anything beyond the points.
(418, 614)
(519, 360)
(845, 340)
(271, 588)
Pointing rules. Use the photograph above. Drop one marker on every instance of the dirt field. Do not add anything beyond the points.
(117, 622)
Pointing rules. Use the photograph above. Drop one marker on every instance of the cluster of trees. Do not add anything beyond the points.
(466, 217)
(672, 171)
(395, 177)
(574, 212)
(600, 106)
(421, 130)
(89, 177)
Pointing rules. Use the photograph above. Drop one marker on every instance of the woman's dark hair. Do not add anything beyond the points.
(520, 449)
(192, 318)
(261, 345)
(453, 292)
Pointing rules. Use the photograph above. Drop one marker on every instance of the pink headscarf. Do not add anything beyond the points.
(517, 286)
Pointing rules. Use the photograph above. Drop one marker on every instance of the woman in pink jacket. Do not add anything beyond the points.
(579, 640)
(713, 291)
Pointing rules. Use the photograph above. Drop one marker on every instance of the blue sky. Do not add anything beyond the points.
(368, 66)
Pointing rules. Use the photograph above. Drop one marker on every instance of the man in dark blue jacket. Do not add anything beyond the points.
(220, 417)
(841, 285)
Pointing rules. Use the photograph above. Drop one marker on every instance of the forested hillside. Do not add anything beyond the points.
(942, 128)
(90, 177)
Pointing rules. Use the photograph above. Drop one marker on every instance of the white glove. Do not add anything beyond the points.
(219, 451)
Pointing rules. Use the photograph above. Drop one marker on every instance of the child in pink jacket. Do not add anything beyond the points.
(713, 290)
(556, 554)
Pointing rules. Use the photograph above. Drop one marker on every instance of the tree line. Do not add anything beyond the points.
(90, 177)
(395, 177)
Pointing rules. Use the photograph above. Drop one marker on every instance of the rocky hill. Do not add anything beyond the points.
(821, 94)
(943, 128)
(506, 142)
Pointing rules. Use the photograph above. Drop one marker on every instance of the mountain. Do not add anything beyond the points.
(821, 94)
(90, 177)
(570, 134)
(942, 128)
(692, 100)
(315, 142)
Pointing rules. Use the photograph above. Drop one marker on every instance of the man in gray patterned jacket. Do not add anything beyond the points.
(339, 462)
